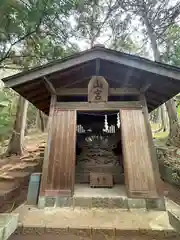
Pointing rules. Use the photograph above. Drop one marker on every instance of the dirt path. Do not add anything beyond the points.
(14, 175)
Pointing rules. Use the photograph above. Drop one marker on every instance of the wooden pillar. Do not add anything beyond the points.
(59, 161)
(139, 174)
(47, 148)
(62, 154)
(155, 165)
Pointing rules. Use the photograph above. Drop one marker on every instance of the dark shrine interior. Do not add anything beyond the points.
(93, 124)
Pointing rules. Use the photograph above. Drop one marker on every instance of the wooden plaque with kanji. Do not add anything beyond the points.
(98, 89)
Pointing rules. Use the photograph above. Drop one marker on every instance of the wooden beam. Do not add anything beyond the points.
(145, 87)
(49, 86)
(85, 106)
(47, 149)
(39, 98)
(84, 91)
(154, 94)
(28, 86)
(155, 103)
(35, 93)
(74, 82)
(150, 106)
(128, 76)
(45, 109)
(151, 145)
(42, 105)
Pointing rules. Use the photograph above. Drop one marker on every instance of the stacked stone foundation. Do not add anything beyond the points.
(97, 202)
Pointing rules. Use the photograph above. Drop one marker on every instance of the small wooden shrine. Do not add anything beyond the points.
(98, 132)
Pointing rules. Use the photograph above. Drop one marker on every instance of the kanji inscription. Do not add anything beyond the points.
(98, 89)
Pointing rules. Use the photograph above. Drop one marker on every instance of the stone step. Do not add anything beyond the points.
(26, 167)
(14, 178)
(41, 156)
(41, 148)
(14, 175)
(4, 185)
(8, 224)
(97, 202)
(94, 224)
(86, 197)
(27, 156)
(174, 219)
(29, 233)
(29, 160)
(8, 194)
(6, 177)
(174, 214)
(20, 175)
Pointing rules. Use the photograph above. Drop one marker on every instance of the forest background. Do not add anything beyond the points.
(34, 32)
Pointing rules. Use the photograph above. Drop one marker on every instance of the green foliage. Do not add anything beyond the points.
(31, 116)
(34, 32)
(100, 21)
(126, 45)
(30, 27)
(31, 33)
(178, 111)
(8, 97)
(171, 46)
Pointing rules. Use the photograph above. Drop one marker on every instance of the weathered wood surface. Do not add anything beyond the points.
(139, 174)
(49, 86)
(101, 179)
(60, 177)
(47, 149)
(100, 106)
(84, 91)
(83, 173)
(62, 153)
(98, 89)
(152, 147)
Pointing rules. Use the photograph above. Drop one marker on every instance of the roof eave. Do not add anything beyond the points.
(103, 54)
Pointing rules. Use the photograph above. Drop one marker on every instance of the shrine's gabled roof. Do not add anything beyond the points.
(161, 81)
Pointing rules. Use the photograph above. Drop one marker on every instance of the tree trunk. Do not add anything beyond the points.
(40, 121)
(37, 119)
(174, 126)
(174, 133)
(163, 118)
(174, 130)
(158, 116)
(163, 126)
(16, 143)
(166, 118)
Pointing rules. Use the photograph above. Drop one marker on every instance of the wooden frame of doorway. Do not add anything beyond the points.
(49, 189)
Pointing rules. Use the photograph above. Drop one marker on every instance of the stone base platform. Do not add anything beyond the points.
(8, 224)
(91, 234)
(96, 224)
(86, 197)
(174, 214)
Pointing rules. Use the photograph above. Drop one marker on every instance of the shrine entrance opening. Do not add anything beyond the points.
(99, 158)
